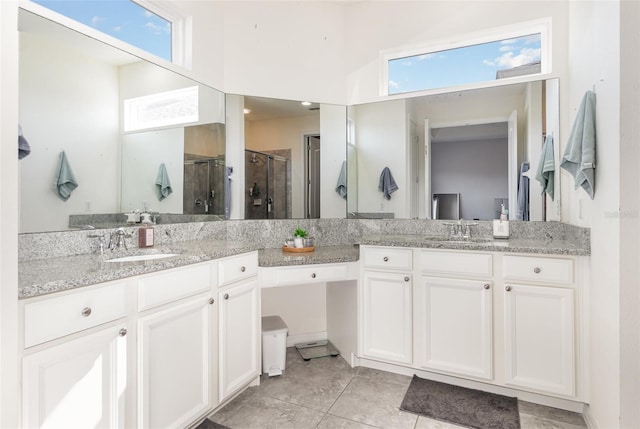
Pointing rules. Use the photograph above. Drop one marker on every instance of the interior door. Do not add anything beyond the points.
(427, 170)
(414, 166)
(312, 193)
(513, 169)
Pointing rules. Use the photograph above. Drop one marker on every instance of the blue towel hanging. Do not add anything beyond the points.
(23, 145)
(162, 183)
(65, 181)
(341, 186)
(547, 167)
(387, 184)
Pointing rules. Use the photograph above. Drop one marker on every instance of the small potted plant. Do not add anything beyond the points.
(298, 237)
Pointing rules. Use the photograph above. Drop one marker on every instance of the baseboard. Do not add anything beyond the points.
(588, 418)
(292, 340)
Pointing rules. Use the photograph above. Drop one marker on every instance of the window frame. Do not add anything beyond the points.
(541, 26)
(132, 107)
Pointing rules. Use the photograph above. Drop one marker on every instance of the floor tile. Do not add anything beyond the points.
(223, 414)
(310, 385)
(268, 413)
(528, 421)
(374, 402)
(333, 422)
(551, 413)
(376, 374)
(427, 423)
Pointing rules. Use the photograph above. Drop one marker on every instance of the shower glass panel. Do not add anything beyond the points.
(204, 186)
(267, 186)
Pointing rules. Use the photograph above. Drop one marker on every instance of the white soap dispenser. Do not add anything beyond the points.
(501, 226)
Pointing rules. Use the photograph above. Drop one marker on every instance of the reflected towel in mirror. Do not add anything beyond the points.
(65, 181)
(341, 186)
(522, 210)
(23, 145)
(387, 183)
(580, 155)
(162, 182)
(547, 167)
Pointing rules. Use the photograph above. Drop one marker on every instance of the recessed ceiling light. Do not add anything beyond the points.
(306, 103)
(247, 111)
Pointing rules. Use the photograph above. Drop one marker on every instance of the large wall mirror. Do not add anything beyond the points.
(73, 93)
(457, 155)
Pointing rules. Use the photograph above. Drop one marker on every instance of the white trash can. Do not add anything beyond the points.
(274, 345)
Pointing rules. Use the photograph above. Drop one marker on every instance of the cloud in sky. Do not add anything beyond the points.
(96, 20)
(510, 59)
(393, 84)
(156, 28)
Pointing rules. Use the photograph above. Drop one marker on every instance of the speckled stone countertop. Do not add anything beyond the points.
(516, 245)
(44, 276)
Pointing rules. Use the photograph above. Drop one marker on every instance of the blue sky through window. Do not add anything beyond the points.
(459, 66)
(122, 19)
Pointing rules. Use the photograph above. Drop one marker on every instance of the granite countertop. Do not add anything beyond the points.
(43, 276)
(515, 245)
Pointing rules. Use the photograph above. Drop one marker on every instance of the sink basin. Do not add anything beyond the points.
(144, 257)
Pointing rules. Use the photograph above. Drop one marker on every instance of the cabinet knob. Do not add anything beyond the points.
(86, 312)
(386, 259)
(226, 296)
(212, 301)
(537, 270)
(313, 275)
(122, 332)
(243, 268)
(487, 286)
(508, 288)
(407, 278)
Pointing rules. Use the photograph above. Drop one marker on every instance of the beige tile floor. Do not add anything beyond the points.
(327, 393)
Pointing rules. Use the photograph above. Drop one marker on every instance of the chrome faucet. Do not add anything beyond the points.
(117, 239)
(467, 229)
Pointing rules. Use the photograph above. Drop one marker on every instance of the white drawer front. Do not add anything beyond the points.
(237, 268)
(456, 263)
(48, 319)
(537, 269)
(387, 258)
(161, 288)
(310, 274)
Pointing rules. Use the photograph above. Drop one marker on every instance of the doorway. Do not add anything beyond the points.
(312, 176)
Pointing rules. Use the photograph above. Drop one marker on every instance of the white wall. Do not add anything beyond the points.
(594, 60)
(381, 140)
(62, 108)
(333, 143)
(285, 133)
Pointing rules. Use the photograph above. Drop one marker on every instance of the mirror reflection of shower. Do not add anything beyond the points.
(267, 184)
(204, 186)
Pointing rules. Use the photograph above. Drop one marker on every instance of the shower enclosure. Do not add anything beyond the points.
(204, 186)
(267, 185)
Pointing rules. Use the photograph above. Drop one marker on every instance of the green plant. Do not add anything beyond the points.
(300, 233)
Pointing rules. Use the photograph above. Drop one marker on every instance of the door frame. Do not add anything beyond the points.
(306, 176)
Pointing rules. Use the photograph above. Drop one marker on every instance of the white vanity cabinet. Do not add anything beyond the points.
(385, 311)
(239, 341)
(176, 347)
(540, 323)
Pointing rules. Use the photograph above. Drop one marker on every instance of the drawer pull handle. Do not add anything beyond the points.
(508, 288)
(537, 270)
(487, 286)
(386, 259)
(313, 275)
(243, 268)
(86, 312)
(226, 296)
(122, 332)
(212, 301)
(407, 278)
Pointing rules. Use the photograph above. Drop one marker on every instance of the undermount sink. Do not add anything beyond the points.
(143, 257)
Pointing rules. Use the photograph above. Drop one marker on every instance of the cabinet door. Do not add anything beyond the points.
(239, 336)
(78, 384)
(539, 338)
(386, 316)
(175, 348)
(453, 329)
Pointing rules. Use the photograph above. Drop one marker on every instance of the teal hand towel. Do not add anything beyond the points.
(341, 186)
(387, 183)
(162, 183)
(547, 167)
(580, 155)
(65, 181)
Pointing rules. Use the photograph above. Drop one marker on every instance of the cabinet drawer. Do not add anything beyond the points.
(237, 268)
(537, 269)
(388, 258)
(455, 263)
(48, 319)
(158, 289)
(313, 274)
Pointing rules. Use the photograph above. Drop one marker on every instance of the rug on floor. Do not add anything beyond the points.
(461, 406)
(208, 424)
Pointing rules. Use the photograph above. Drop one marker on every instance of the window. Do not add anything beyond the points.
(161, 110)
(481, 60)
(140, 23)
